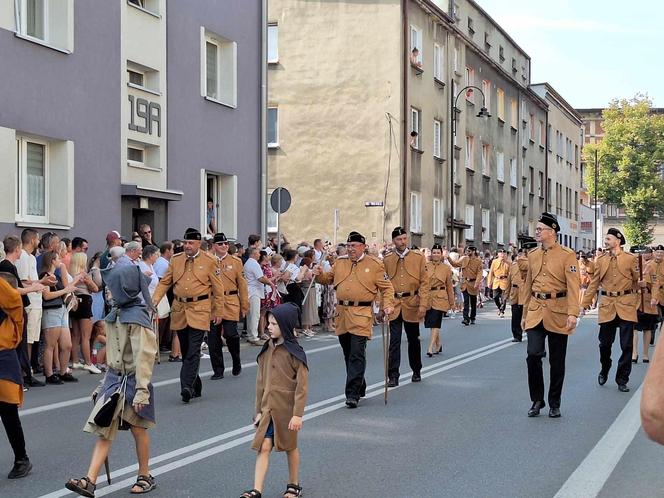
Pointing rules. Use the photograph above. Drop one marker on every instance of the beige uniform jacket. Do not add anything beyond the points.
(652, 288)
(236, 293)
(659, 295)
(515, 281)
(408, 275)
(618, 274)
(193, 278)
(357, 282)
(441, 287)
(471, 273)
(498, 274)
(551, 271)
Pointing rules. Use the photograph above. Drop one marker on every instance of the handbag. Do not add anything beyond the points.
(71, 301)
(104, 417)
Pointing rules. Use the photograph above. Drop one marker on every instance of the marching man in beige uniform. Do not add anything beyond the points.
(199, 299)
(515, 281)
(550, 311)
(357, 278)
(648, 313)
(497, 280)
(441, 292)
(617, 272)
(471, 277)
(407, 270)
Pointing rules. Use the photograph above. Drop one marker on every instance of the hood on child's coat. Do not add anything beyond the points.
(286, 316)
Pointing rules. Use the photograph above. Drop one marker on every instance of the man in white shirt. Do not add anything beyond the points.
(256, 283)
(161, 264)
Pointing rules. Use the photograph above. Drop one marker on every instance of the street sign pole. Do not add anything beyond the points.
(279, 221)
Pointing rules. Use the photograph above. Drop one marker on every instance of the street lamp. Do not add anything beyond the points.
(484, 113)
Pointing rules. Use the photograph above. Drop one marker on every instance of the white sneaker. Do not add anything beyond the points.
(92, 369)
(78, 366)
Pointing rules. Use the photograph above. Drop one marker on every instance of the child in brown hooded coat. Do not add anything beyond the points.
(281, 394)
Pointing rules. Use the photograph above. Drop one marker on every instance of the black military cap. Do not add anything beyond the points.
(220, 237)
(472, 248)
(436, 246)
(501, 249)
(617, 234)
(528, 243)
(550, 220)
(398, 231)
(660, 247)
(356, 237)
(192, 234)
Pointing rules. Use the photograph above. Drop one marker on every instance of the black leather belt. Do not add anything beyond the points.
(355, 303)
(406, 294)
(616, 294)
(230, 293)
(514, 286)
(470, 280)
(541, 295)
(193, 299)
(438, 288)
(501, 278)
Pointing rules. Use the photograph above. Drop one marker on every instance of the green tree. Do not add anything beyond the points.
(631, 164)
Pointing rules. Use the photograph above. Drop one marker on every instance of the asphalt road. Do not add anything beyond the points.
(463, 431)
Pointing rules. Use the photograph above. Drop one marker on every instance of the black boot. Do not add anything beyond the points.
(20, 469)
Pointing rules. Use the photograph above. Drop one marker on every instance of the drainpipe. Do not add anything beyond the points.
(263, 115)
(405, 200)
(546, 163)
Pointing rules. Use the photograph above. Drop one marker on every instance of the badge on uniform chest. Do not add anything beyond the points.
(366, 270)
(572, 269)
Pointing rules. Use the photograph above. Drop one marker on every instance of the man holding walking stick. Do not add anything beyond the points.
(357, 278)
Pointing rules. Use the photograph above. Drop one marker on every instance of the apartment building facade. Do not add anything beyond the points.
(107, 120)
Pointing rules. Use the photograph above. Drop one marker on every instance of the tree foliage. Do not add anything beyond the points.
(631, 164)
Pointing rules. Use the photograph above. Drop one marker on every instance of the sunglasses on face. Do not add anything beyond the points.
(221, 243)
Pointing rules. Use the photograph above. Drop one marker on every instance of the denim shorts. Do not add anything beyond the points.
(55, 318)
(269, 433)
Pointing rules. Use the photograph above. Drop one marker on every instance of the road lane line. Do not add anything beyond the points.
(591, 475)
(311, 412)
(167, 382)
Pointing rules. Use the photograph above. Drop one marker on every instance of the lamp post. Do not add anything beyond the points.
(596, 207)
(484, 113)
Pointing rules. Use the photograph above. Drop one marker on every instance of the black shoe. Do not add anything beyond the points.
(515, 340)
(174, 359)
(440, 350)
(67, 377)
(472, 322)
(54, 380)
(393, 382)
(535, 409)
(32, 382)
(465, 322)
(635, 360)
(416, 377)
(554, 412)
(20, 469)
(429, 354)
(623, 388)
(351, 403)
(237, 370)
(196, 394)
(601, 379)
(186, 394)
(217, 376)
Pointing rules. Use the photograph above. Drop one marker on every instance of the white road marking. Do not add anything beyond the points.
(590, 476)
(310, 413)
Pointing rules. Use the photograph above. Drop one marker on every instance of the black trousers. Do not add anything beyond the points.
(354, 348)
(414, 352)
(13, 428)
(517, 314)
(499, 300)
(557, 353)
(469, 306)
(190, 344)
(607, 334)
(215, 345)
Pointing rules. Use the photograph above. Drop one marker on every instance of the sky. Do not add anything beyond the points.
(590, 51)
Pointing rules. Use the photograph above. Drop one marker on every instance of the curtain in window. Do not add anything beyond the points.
(36, 180)
(211, 69)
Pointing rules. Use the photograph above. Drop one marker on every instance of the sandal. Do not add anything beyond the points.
(252, 493)
(83, 486)
(146, 483)
(293, 491)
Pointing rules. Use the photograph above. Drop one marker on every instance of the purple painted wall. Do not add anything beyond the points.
(74, 97)
(204, 134)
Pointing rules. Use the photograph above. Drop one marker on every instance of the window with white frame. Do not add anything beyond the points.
(486, 159)
(415, 127)
(540, 133)
(47, 22)
(514, 113)
(438, 62)
(142, 77)
(143, 155)
(456, 57)
(150, 6)
(437, 216)
(486, 89)
(33, 180)
(470, 152)
(470, 220)
(486, 221)
(135, 154)
(513, 230)
(531, 128)
(218, 68)
(273, 127)
(437, 130)
(500, 228)
(513, 175)
(415, 212)
(470, 81)
(500, 97)
(500, 166)
(273, 43)
(272, 216)
(415, 45)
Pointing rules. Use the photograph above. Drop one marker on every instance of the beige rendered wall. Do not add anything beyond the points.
(338, 75)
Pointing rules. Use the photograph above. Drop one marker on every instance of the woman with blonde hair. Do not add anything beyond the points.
(80, 318)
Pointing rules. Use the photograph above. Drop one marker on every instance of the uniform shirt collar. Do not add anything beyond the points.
(191, 258)
(402, 254)
(358, 259)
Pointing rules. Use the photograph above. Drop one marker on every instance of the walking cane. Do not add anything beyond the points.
(386, 339)
(107, 466)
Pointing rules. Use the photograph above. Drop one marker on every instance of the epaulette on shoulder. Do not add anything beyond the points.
(373, 258)
(210, 256)
(344, 256)
(236, 258)
(568, 250)
(178, 255)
